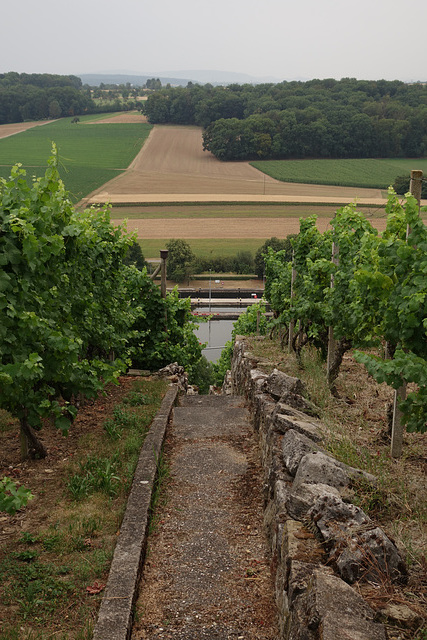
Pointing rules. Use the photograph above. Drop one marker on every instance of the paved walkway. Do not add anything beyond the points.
(206, 573)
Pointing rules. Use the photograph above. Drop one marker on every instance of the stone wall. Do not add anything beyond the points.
(321, 543)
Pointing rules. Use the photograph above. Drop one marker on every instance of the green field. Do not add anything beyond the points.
(197, 210)
(368, 172)
(89, 154)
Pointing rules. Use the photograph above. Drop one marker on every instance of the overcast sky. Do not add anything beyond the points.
(365, 39)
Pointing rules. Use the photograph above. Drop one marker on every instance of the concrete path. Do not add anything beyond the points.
(206, 573)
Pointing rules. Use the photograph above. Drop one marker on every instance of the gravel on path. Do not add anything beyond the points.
(207, 572)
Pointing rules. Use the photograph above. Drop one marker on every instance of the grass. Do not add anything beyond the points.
(46, 571)
(89, 155)
(367, 172)
(197, 210)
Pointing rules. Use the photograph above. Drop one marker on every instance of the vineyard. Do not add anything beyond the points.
(370, 296)
(74, 314)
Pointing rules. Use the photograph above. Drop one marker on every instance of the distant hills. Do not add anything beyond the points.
(175, 78)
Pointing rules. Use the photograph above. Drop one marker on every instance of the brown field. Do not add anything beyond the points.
(128, 117)
(7, 130)
(193, 228)
(172, 167)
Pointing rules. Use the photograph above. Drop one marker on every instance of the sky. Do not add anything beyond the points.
(282, 39)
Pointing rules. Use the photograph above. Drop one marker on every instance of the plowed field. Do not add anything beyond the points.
(172, 167)
(191, 228)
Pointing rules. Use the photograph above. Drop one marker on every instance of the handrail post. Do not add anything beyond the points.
(163, 258)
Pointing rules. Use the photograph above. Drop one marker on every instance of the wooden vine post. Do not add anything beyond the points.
(400, 393)
(292, 322)
(331, 338)
(163, 258)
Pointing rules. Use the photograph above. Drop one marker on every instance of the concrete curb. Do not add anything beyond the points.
(115, 614)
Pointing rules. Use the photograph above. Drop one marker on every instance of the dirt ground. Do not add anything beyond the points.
(49, 472)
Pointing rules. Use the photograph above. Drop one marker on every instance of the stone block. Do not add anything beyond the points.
(278, 384)
(283, 423)
(359, 549)
(300, 403)
(303, 497)
(263, 407)
(329, 608)
(319, 467)
(368, 555)
(332, 515)
(295, 446)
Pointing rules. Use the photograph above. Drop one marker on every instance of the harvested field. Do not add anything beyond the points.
(191, 228)
(7, 130)
(172, 167)
(127, 117)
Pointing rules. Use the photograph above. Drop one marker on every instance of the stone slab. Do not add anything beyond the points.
(115, 614)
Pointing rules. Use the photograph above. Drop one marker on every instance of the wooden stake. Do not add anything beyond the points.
(397, 426)
(331, 339)
(292, 322)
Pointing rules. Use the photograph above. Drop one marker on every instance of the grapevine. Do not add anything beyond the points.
(379, 295)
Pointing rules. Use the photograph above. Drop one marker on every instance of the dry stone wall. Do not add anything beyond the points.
(321, 543)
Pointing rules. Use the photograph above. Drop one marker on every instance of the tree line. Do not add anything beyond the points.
(319, 118)
(39, 96)
(183, 262)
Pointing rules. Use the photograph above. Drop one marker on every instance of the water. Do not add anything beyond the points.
(216, 333)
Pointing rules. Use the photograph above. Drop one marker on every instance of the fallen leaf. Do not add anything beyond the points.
(97, 587)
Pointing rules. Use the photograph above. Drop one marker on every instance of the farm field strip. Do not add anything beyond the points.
(172, 166)
(373, 172)
(230, 228)
(226, 211)
(88, 155)
(7, 130)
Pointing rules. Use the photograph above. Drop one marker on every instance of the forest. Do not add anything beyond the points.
(39, 96)
(345, 118)
(26, 96)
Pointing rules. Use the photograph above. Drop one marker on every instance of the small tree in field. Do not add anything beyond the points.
(181, 260)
